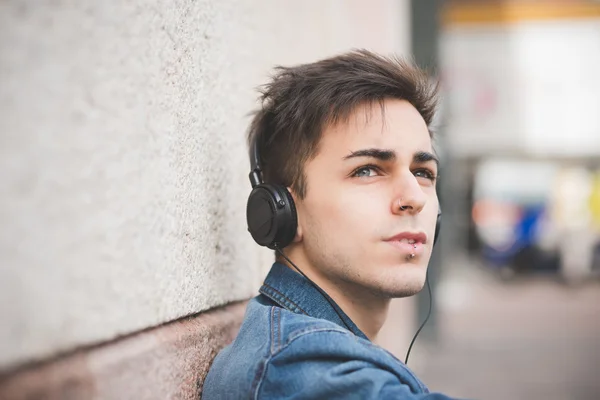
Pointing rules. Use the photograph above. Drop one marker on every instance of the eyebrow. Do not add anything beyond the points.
(380, 154)
(390, 155)
(425, 156)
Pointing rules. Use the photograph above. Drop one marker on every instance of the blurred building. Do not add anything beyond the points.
(520, 184)
(522, 90)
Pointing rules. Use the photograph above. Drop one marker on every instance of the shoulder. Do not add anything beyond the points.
(296, 332)
(313, 337)
(282, 354)
(289, 326)
(265, 331)
(319, 359)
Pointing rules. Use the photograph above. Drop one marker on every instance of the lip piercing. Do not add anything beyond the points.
(413, 254)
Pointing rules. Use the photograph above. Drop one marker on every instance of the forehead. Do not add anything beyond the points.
(393, 124)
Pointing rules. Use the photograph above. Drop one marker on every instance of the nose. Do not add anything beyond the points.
(409, 197)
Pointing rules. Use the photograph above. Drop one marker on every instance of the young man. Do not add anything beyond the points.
(344, 190)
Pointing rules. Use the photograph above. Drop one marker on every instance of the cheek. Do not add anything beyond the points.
(348, 220)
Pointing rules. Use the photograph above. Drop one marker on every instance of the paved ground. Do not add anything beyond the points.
(532, 338)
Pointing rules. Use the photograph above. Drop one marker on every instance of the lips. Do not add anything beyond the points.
(409, 242)
(412, 237)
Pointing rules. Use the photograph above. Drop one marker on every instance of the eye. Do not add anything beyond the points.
(425, 173)
(366, 171)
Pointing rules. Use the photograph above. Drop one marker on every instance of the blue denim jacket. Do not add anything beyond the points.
(293, 345)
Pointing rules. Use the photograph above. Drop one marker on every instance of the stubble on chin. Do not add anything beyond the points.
(353, 283)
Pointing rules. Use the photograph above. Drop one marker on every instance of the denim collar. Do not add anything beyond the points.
(294, 292)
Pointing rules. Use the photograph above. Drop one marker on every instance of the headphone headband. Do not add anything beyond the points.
(255, 170)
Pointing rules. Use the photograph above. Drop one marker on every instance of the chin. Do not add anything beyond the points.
(407, 282)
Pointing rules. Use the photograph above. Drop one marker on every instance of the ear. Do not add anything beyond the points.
(299, 230)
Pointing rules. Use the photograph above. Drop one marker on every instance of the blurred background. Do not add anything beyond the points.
(124, 258)
(516, 291)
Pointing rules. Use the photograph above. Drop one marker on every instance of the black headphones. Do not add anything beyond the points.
(271, 212)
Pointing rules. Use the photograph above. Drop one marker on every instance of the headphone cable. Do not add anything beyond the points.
(326, 297)
(426, 318)
(315, 286)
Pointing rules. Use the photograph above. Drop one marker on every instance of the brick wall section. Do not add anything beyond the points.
(166, 362)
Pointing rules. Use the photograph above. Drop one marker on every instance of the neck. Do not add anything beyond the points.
(366, 310)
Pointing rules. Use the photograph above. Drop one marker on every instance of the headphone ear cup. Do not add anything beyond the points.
(271, 216)
(437, 228)
(291, 222)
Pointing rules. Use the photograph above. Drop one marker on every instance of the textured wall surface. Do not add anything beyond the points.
(167, 362)
(123, 166)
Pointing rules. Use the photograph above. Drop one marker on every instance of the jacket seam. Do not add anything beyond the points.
(284, 299)
(258, 382)
(279, 329)
(262, 367)
(275, 329)
(308, 331)
(263, 372)
(272, 328)
(366, 342)
(259, 378)
(295, 334)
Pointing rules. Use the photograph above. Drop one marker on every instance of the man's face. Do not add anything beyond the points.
(368, 219)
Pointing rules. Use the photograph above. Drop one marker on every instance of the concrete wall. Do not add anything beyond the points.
(123, 166)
